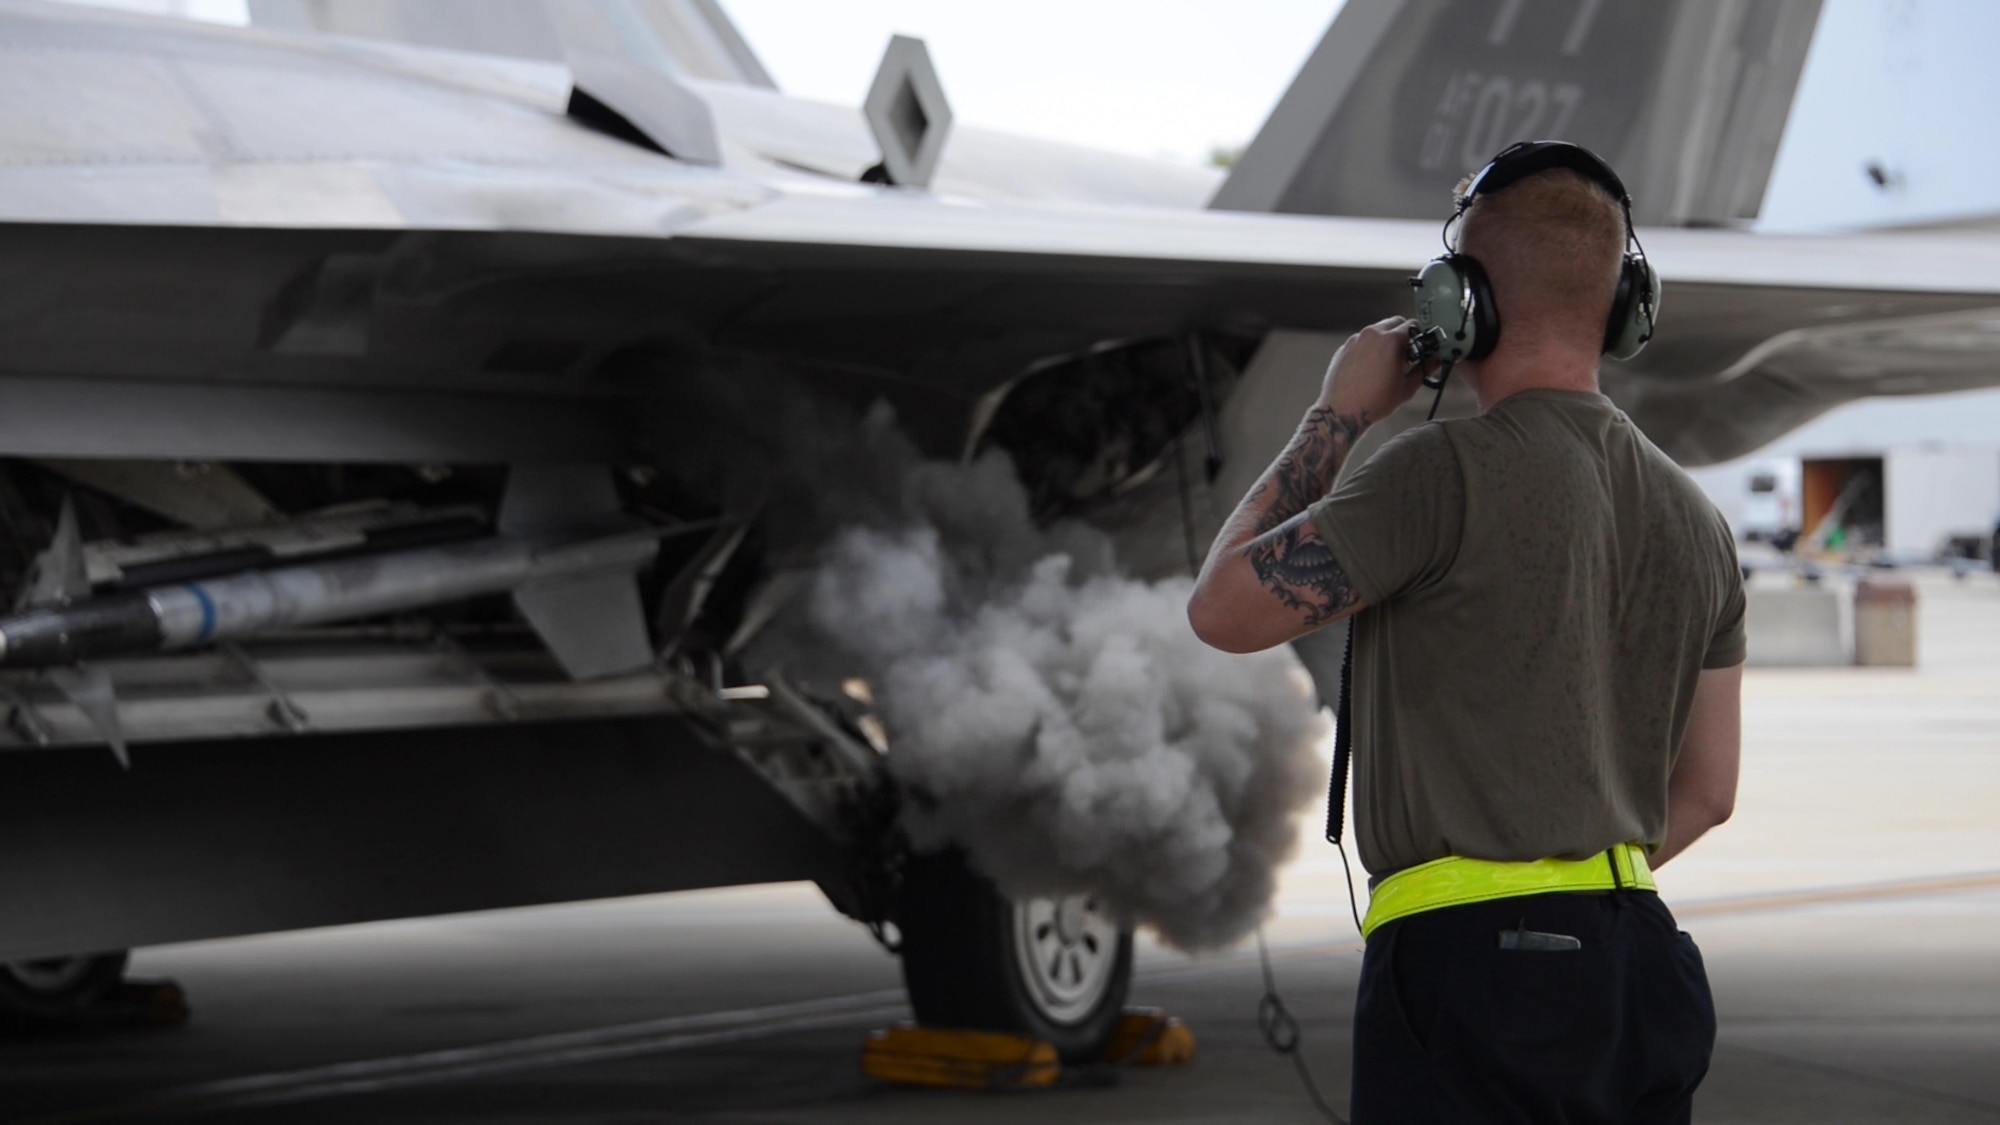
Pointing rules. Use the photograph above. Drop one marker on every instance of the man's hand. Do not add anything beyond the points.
(1270, 578)
(1371, 375)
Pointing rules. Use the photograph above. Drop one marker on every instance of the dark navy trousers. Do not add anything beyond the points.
(1452, 1027)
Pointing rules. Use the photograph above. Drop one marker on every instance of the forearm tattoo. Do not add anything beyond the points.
(1287, 555)
(1305, 469)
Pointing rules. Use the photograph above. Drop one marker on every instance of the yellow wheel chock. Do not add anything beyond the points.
(950, 1058)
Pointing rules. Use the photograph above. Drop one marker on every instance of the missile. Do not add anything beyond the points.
(185, 614)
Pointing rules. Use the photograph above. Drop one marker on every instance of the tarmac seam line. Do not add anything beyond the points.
(1915, 888)
(1910, 1088)
(662, 1036)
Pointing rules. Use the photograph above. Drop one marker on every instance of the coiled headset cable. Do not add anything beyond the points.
(1275, 1021)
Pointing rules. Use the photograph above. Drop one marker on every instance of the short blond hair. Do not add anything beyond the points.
(1551, 246)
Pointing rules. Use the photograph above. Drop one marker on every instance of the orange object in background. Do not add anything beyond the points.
(1824, 482)
(1820, 485)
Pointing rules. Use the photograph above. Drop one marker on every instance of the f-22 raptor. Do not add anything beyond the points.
(347, 583)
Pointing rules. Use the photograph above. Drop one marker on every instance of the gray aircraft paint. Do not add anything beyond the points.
(239, 243)
(1403, 97)
(694, 38)
(198, 136)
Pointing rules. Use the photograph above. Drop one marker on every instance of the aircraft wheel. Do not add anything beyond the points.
(1056, 969)
(55, 987)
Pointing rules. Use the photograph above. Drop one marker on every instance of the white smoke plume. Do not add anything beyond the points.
(1062, 723)
(1057, 720)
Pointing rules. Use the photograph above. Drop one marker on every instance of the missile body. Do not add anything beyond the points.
(181, 615)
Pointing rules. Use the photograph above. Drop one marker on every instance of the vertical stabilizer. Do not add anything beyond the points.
(1686, 98)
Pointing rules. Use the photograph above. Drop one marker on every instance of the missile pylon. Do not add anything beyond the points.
(187, 614)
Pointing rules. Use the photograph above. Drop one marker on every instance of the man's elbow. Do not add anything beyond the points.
(1712, 807)
(1215, 627)
(1721, 806)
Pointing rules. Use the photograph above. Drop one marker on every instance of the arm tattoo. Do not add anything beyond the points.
(1270, 531)
(1287, 555)
(1305, 470)
(1299, 569)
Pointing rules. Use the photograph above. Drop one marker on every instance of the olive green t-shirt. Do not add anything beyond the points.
(1544, 586)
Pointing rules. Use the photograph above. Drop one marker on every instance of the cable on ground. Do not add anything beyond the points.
(1281, 1032)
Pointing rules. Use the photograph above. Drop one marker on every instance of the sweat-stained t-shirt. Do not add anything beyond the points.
(1544, 587)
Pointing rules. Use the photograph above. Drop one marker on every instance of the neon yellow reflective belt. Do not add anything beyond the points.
(1455, 881)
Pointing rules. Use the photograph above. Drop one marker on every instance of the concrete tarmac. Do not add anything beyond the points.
(1849, 917)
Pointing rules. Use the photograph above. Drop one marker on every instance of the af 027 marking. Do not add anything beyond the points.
(1501, 111)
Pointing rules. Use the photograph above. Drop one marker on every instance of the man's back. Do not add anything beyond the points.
(1545, 587)
(1548, 624)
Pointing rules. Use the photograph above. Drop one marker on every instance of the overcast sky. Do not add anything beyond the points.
(1155, 78)
(1908, 83)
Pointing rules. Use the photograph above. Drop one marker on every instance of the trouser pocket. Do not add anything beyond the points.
(1699, 1003)
(1392, 1082)
(1672, 1025)
(1390, 987)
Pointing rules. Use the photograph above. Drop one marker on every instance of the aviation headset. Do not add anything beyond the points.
(1457, 319)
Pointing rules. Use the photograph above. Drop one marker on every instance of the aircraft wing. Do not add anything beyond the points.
(354, 250)
(1761, 333)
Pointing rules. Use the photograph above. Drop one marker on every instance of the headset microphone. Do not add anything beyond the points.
(1423, 345)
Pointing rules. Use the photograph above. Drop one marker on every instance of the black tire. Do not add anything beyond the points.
(966, 952)
(58, 987)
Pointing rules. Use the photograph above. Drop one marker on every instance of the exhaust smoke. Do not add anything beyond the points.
(1073, 735)
(1058, 720)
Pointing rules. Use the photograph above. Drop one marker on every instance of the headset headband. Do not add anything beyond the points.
(1518, 161)
(1456, 316)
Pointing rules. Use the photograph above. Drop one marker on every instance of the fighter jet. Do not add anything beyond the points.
(350, 578)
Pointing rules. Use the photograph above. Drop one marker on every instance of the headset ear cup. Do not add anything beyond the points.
(1621, 305)
(1440, 307)
(1634, 310)
(1454, 300)
(1483, 327)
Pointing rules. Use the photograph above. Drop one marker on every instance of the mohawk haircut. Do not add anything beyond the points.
(1551, 246)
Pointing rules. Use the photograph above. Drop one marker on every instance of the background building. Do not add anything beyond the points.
(1909, 476)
